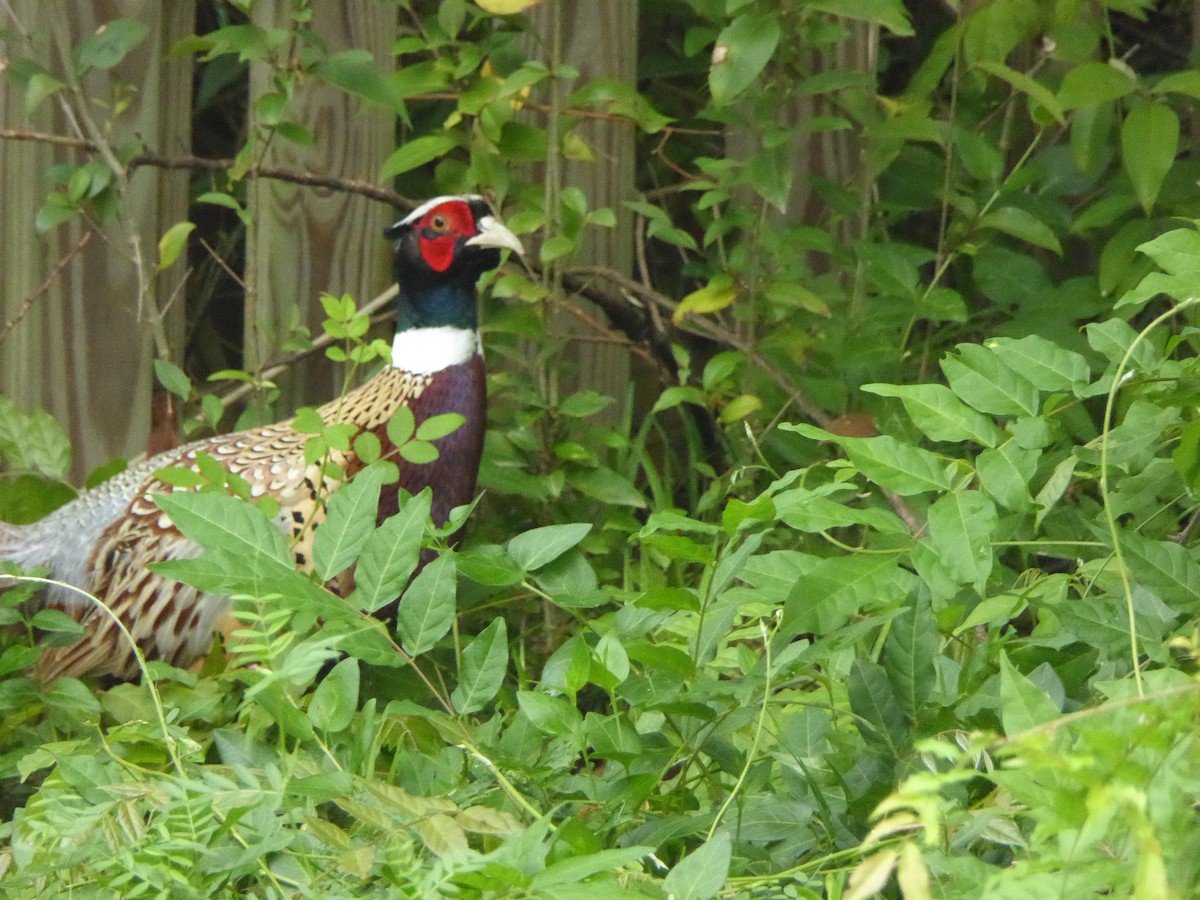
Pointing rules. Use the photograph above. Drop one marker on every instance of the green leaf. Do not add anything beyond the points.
(744, 47)
(881, 719)
(702, 873)
(1166, 567)
(418, 452)
(979, 377)
(171, 244)
(719, 293)
(583, 404)
(1023, 705)
(350, 520)
(890, 463)
(578, 870)
(1044, 363)
(401, 426)
(1022, 225)
(111, 42)
(1090, 83)
(891, 14)
(481, 672)
(219, 522)
(436, 427)
(489, 564)
(357, 72)
(1149, 143)
(427, 610)
(939, 414)
(335, 700)
(1176, 252)
(838, 588)
(535, 548)
(1005, 474)
(389, 555)
(173, 378)
(1036, 92)
(960, 529)
(552, 715)
(908, 655)
(415, 153)
(607, 486)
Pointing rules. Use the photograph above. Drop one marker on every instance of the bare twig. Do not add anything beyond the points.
(45, 285)
(205, 164)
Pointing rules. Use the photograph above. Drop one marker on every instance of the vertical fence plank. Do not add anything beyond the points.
(306, 240)
(81, 347)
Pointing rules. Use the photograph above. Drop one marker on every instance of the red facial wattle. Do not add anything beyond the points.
(439, 230)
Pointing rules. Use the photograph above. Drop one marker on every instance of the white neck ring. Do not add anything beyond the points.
(424, 351)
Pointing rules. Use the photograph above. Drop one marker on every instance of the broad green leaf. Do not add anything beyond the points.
(1051, 492)
(416, 153)
(389, 555)
(552, 715)
(578, 870)
(801, 510)
(173, 378)
(108, 45)
(1023, 225)
(1091, 83)
(837, 588)
(583, 404)
(613, 662)
(1023, 705)
(1149, 143)
(505, 7)
(1166, 567)
(1114, 338)
(357, 72)
(335, 700)
(1036, 91)
(891, 14)
(217, 521)
(1177, 252)
(1186, 82)
(535, 548)
(960, 529)
(939, 414)
(427, 609)
(436, 427)
(171, 244)
(1044, 363)
(702, 873)
(482, 669)
(1005, 474)
(980, 378)
(489, 564)
(719, 293)
(888, 462)
(908, 655)
(743, 49)
(350, 520)
(605, 485)
(880, 717)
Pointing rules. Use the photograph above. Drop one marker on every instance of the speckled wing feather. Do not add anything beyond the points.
(126, 531)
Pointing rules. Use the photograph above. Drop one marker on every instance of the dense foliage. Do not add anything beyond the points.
(891, 585)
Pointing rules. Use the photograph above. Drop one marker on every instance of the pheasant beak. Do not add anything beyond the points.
(492, 233)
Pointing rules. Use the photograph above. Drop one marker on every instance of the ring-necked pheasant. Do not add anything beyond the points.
(102, 540)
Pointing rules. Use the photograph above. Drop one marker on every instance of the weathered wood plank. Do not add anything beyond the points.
(83, 348)
(307, 240)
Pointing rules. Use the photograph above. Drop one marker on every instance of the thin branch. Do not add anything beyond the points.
(23, 310)
(206, 164)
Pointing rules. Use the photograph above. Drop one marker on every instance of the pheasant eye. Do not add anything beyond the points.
(439, 223)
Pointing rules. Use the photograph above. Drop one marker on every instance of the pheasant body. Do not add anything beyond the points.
(102, 541)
